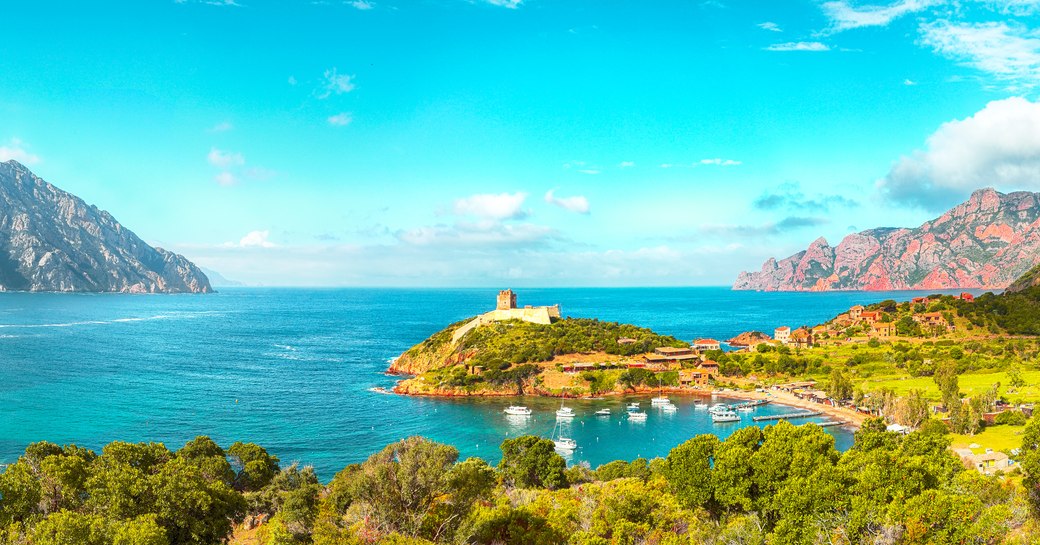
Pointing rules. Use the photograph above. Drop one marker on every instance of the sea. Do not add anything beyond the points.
(302, 371)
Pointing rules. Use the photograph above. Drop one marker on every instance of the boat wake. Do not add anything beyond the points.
(168, 316)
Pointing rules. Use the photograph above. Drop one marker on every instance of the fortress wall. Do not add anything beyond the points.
(535, 315)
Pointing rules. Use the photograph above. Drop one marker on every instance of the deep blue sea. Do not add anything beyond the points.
(294, 369)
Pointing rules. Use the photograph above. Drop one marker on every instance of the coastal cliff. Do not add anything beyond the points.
(986, 242)
(51, 240)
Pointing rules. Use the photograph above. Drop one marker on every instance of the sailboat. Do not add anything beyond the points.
(661, 399)
(561, 442)
(564, 411)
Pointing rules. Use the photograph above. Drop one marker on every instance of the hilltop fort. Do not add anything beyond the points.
(506, 309)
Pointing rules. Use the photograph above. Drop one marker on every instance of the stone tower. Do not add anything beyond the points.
(506, 300)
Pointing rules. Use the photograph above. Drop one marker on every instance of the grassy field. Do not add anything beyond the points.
(994, 437)
(971, 384)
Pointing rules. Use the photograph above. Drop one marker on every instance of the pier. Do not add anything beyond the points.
(786, 416)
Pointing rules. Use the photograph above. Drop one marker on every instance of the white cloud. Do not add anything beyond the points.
(362, 4)
(1013, 7)
(336, 84)
(999, 147)
(256, 239)
(511, 4)
(15, 150)
(225, 178)
(577, 203)
(1008, 52)
(485, 233)
(770, 26)
(223, 126)
(224, 159)
(720, 162)
(591, 171)
(844, 16)
(626, 164)
(500, 206)
(341, 119)
(799, 46)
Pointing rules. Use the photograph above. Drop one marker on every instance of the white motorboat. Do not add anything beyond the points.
(565, 412)
(718, 407)
(660, 400)
(669, 408)
(745, 408)
(603, 412)
(723, 416)
(637, 415)
(565, 443)
(700, 406)
(517, 410)
(634, 406)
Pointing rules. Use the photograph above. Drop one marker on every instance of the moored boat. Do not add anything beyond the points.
(565, 443)
(603, 412)
(565, 412)
(637, 415)
(517, 410)
(719, 417)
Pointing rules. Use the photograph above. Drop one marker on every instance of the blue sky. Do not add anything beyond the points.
(522, 143)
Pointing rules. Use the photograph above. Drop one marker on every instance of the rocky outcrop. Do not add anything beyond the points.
(986, 242)
(51, 240)
(749, 338)
(1028, 280)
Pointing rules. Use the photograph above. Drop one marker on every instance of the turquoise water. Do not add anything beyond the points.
(293, 369)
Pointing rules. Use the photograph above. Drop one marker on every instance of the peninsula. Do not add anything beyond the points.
(532, 350)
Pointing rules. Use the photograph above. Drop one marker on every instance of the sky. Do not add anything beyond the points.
(499, 143)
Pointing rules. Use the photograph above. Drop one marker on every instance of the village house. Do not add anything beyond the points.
(801, 338)
(965, 296)
(854, 312)
(666, 356)
(701, 376)
(870, 316)
(931, 319)
(921, 300)
(782, 334)
(883, 329)
(707, 344)
(987, 463)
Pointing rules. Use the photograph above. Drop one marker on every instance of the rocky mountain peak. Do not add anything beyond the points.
(985, 242)
(51, 240)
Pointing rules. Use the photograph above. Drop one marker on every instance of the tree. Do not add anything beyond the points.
(733, 473)
(532, 462)
(689, 470)
(257, 466)
(1029, 457)
(840, 386)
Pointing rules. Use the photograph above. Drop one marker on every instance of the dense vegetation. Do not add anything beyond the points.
(783, 484)
(1017, 312)
(522, 342)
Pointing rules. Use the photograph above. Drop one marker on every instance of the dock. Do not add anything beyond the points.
(786, 416)
(831, 423)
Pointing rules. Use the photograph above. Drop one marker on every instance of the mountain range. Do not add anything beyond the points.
(51, 240)
(986, 242)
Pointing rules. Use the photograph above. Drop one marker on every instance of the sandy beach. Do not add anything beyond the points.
(784, 398)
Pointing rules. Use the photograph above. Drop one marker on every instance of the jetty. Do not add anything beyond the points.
(831, 423)
(787, 416)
